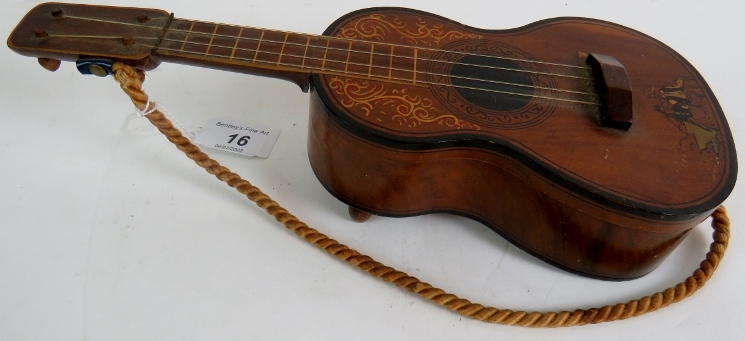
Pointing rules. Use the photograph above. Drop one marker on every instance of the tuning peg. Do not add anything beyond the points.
(49, 64)
(41, 33)
(358, 215)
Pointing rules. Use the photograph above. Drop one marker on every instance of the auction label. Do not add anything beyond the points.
(233, 136)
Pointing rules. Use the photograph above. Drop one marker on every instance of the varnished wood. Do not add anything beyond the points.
(592, 200)
(51, 19)
(529, 210)
(412, 113)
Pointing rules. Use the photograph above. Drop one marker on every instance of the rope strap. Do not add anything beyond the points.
(130, 80)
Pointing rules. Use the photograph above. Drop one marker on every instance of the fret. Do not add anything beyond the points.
(223, 41)
(197, 38)
(191, 27)
(390, 64)
(295, 50)
(402, 62)
(379, 61)
(258, 46)
(245, 44)
(237, 40)
(313, 53)
(415, 54)
(212, 39)
(284, 43)
(305, 53)
(369, 66)
(325, 53)
(349, 51)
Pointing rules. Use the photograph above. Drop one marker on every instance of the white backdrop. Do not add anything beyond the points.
(110, 233)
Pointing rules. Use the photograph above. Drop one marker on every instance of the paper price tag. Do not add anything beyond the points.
(234, 136)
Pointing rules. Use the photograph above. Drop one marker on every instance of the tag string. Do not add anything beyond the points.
(131, 83)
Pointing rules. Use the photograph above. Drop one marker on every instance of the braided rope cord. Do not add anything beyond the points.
(131, 82)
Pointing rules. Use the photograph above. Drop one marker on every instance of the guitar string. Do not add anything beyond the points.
(369, 76)
(407, 80)
(335, 61)
(339, 61)
(345, 40)
(374, 66)
(329, 38)
(368, 41)
(387, 55)
(190, 33)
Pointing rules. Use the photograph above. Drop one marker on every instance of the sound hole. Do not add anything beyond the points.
(482, 72)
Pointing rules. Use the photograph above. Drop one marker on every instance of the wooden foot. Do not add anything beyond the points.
(358, 215)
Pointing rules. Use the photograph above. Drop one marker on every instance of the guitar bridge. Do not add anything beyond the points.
(614, 90)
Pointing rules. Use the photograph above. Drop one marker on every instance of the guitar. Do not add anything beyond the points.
(592, 146)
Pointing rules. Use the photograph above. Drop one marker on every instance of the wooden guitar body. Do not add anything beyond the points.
(590, 145)
(542, 173)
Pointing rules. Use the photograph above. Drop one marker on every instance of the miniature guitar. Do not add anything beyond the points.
(590, 145)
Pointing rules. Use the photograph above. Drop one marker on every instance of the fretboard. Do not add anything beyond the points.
(233, 47)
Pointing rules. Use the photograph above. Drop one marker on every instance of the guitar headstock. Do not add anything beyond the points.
(57, 31)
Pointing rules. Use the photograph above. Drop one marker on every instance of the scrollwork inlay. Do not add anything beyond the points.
(383, 100)
(420, 32)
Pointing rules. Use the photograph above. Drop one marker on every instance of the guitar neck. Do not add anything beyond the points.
(287, 55)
